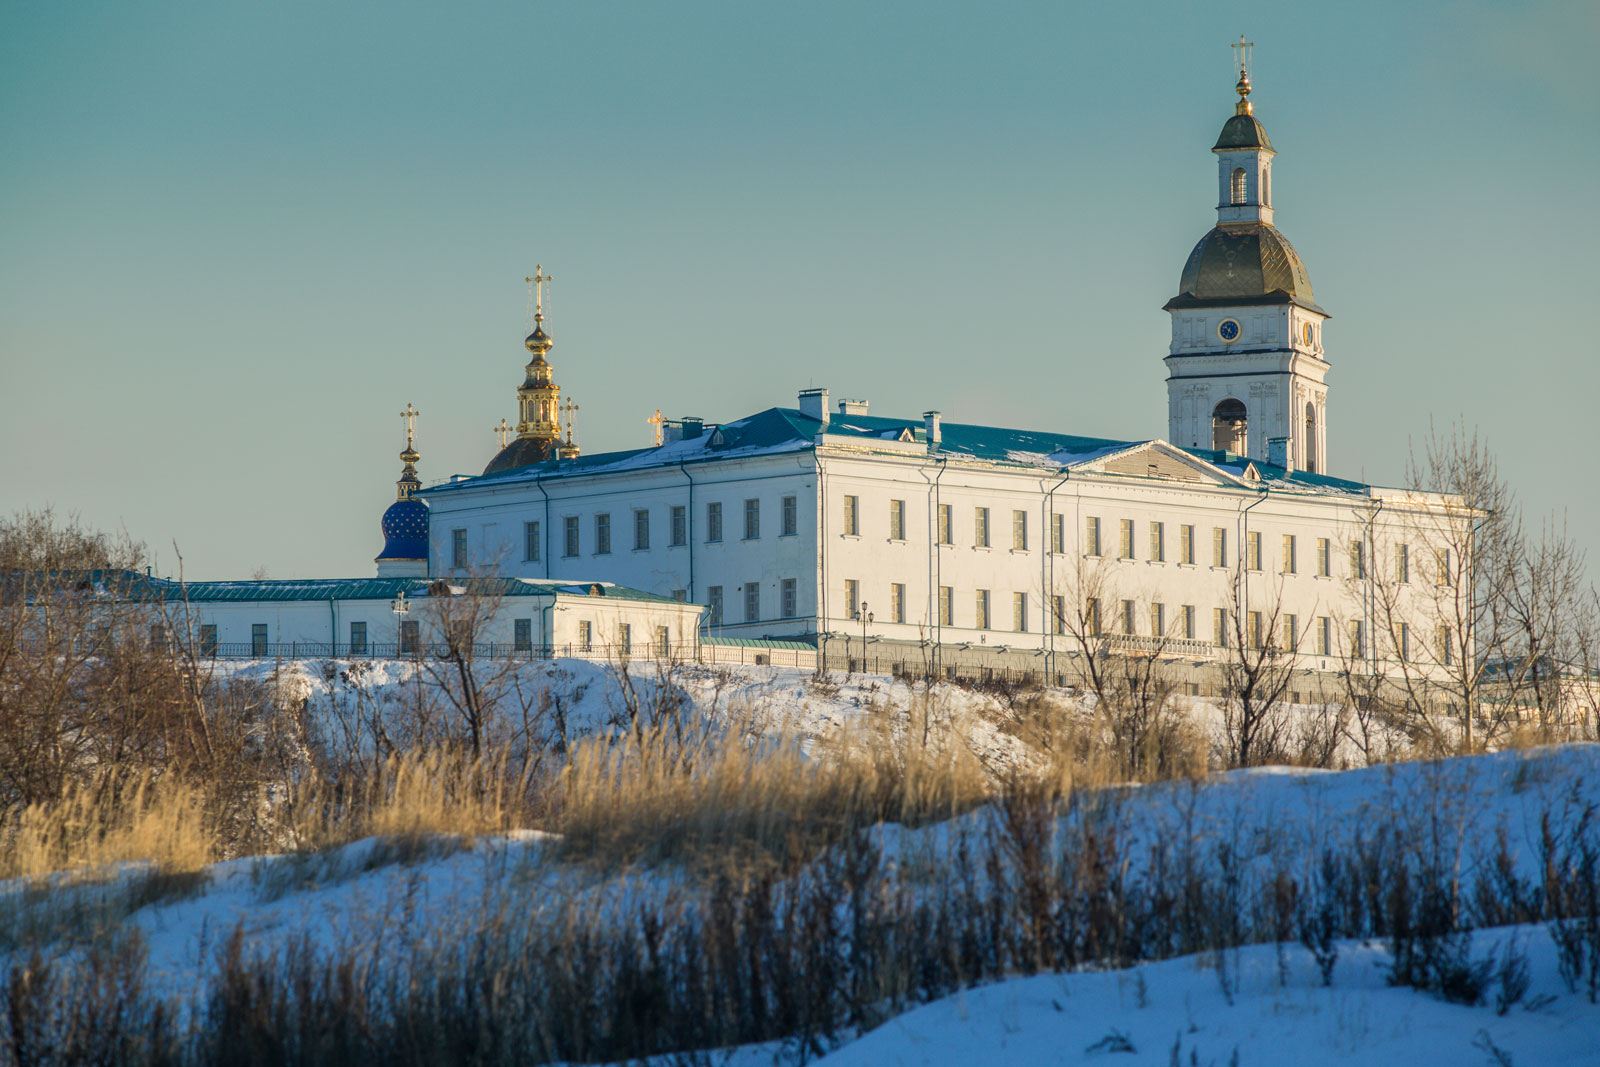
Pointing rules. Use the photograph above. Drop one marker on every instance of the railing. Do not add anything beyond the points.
(639, 650)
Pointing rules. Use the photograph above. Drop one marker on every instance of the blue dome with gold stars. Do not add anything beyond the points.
(405, 530)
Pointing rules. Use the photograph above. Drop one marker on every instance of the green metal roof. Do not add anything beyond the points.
(789, 644)
(321, 589)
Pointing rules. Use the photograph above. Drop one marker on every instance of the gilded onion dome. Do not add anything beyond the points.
(538, 399)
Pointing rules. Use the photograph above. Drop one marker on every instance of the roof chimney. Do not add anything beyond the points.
(1280, 453)
(693, 427)
(935, 433)
(852, 407)
(814, 404)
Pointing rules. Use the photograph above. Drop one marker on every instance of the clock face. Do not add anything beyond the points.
(1228, 329)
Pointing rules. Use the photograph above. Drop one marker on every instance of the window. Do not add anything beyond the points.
(897, 520)
(1291, 633)
(680, 525)
(208, 639)
(1059, 606)
(530, 542)
(258, 639)
(982, 603)
(1091, 536)
(585, 636)
(458, 548)
(791, 516)
(1402, 642)
(852, 516)
(1019, 530)
(1158, 620)
(1324, 557)
(1253, 551)
(158, 638)
(663, 647)
(1324, 636)
(1186, 544)
(752, 519)
(1129, 626)
(1219, 546)
(1158, 542)
(1238, 185)
(358, 639)
(1019, 612)
(1358, 560)
(624, 639)
(1288, 554)
(1230, 421)
(1125, 548)
(789, 596)
(947, 605)
(1058, 533)
(602, 533)
(714, 605)
(1358, 638)
(852, 598)
(1441, 567)
(522, 635)
(569, 545)
(1402, 563)
(1446, 647)
(1219, 626)
(641, 529)
(752, 602)
(1091, 615)
(1188, 622)
(897, 602)
(944, 525)
(980, 527)
(1256, 636)
(410, 637)
(714, 521)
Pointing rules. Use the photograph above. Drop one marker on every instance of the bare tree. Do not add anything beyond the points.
(1257, 669)
(458, 656)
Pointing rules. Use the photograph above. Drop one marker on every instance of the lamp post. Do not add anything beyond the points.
(401, 609)
(866, 617)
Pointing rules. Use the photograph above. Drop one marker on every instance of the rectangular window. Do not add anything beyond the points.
(1059, 606)
(158, 638)
(1091, 536)
(585, 636)
(1058, 533)
(458, 548)
(1402, 642)
(1358, 638)
(1402, 563)
(1129, 624)
(1186, 544)
(1125, 548)
(852, 516)
(1019, 612)
(1091, 615)
(358, 639)
(1158, 542)
(1256, 635)
(1019, 530)
(980, 527)
(714, 521)
(680, 525)
(1441, 567)
(752, 519)
(714, 605)
(663, 647)
(897, 520)
(410, 637)
(947, 605)
(791, 516)
(1188, 622)
(852, 598)
(981, 601)
(1219, 546)
(522, 635)
(569, 545)
(624, 639)
(1253, 552)
(531, 547)
(897, 602)
(944, 525)
(1219, 626)
(1289, 562)
(1324, 636)
(258, 639)
(641, 529)
(1324, 557)
(752, 602)
(602, 533)
(790, 597)
(1291, 633)
(1446, 647)
(208, 639)
(1158, 620)
(1358, 560)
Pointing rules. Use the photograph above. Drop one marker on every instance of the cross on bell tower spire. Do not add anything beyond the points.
(1242, 50)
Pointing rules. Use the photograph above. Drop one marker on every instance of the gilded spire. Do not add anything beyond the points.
(1241, 59)
(409, 482)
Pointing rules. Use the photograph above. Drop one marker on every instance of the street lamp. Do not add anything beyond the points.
(866, 617)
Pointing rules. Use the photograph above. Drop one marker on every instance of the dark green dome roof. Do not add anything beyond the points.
(1241, 260)
(520, 453)
(1242, 131)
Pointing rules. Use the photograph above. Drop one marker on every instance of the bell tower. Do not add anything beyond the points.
(538, 398)
(1247, 373)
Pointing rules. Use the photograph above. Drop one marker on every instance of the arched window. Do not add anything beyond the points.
(1311, 438)
(1238, 185)
(1266, 187)
(1228, 427)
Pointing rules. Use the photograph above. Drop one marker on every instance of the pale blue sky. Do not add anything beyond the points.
(235, 240)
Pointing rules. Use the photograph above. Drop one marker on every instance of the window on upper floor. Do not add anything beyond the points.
(1239, 186)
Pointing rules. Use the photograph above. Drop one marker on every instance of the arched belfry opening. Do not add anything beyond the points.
(1240, 186)
(1311, 437)
(1228, 422)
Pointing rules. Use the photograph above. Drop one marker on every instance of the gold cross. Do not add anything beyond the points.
(570, 410)
(655, 421)
(502, 431)
(536, 289)
(410, 415)
(1241, 54)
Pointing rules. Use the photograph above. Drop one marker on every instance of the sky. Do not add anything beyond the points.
(237, 239)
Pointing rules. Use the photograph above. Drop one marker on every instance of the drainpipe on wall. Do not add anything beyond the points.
(1048, 567)
(688, 527)
(1243, 604)
(539, 484)
(936, 569)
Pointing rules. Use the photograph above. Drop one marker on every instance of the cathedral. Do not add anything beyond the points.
(913, 542)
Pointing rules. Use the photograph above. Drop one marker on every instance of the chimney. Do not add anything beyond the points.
(1280, 453)
(852, 407)
(814, 403)
(930, 421)
(693, 426)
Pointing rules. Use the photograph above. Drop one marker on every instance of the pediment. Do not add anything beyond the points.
(1159, 460)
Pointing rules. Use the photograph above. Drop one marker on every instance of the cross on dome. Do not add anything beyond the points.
(410, 415)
